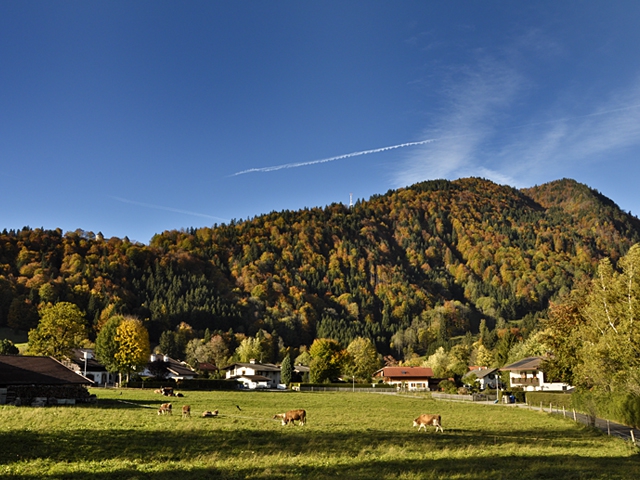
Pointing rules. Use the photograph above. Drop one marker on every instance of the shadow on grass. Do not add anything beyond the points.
(565, 467)
(126, 403)
(180, 445)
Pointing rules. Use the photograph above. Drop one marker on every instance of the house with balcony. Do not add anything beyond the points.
(254, 375)
(528, 375)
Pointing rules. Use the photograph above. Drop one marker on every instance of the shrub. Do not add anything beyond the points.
(448, 386)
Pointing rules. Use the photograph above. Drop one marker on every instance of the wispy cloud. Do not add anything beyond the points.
(168, 209)
(331, 159)
(469, 118)
(475, 138)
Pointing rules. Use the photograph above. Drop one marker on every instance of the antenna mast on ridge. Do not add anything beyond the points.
(350, 200)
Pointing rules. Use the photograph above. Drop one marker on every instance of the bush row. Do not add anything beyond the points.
(557, 399)
(345, 385)
(621, 407)
(205, 384)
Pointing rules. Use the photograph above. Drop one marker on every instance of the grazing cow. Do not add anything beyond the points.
(210, 414)
(157, 391)
(164, 408)
(186, 411)
(291, 416)
(423, 420)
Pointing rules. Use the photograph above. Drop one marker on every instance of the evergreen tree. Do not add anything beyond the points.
(286, 370)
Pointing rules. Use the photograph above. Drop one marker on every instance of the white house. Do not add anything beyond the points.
(486, 377)
(175, 370)
(254, 374)
(83, 361)
(528, 375)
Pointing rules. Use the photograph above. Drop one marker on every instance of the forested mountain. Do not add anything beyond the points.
(409, 269)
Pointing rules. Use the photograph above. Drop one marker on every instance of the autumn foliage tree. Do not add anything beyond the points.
(363, 359)
(133, 345)
(327, 360)
(61, 329)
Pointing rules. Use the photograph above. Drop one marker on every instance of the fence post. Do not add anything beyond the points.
(608, 428)
(564, 412)
(574, 415)
(633, 438)
(541, 407)
(550, 407)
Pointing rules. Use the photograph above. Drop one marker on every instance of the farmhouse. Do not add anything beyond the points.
(40, 381)
(410, 378)
(528, 375)
(254, 374)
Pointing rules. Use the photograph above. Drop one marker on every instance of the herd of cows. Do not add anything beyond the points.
(299, 415)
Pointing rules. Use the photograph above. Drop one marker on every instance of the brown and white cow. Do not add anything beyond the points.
(164, 408)
(423, 420)
(291, 416)
(209, 413)
(186, 411)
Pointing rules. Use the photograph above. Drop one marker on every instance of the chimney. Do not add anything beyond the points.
(153, 357)
(253, 360)
(166, 358)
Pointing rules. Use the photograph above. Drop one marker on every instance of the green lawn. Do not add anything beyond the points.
(348, 435)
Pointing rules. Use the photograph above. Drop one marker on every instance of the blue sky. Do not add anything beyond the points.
(130, 118)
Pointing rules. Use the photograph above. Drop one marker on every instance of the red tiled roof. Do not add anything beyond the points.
(405, 372)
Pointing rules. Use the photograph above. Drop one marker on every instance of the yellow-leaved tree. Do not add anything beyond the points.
(133, 351)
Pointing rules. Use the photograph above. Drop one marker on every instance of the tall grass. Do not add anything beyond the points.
(348, 435)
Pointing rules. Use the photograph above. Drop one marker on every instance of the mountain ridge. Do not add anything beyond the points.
(439, 256)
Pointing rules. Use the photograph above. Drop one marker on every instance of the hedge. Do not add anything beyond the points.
(207, 384)
(556, 398)
(622, 407)
(344, 385)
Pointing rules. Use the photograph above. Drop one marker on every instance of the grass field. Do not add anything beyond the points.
(348, 435)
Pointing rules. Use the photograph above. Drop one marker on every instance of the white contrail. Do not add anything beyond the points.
(168, 209)
(332, 159)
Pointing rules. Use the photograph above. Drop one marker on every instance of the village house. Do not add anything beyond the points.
(409, 378)
(168, 368)
(40, 381)
(486, 377)
(254, 375)
(528, 375)
(84, 362)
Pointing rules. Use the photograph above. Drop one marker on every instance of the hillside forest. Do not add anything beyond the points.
(419, 271)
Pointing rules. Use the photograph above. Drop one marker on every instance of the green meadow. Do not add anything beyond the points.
(347, 435)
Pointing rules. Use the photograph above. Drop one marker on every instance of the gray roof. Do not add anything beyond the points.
(481, 373)
(22, 370)
(529, 363)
